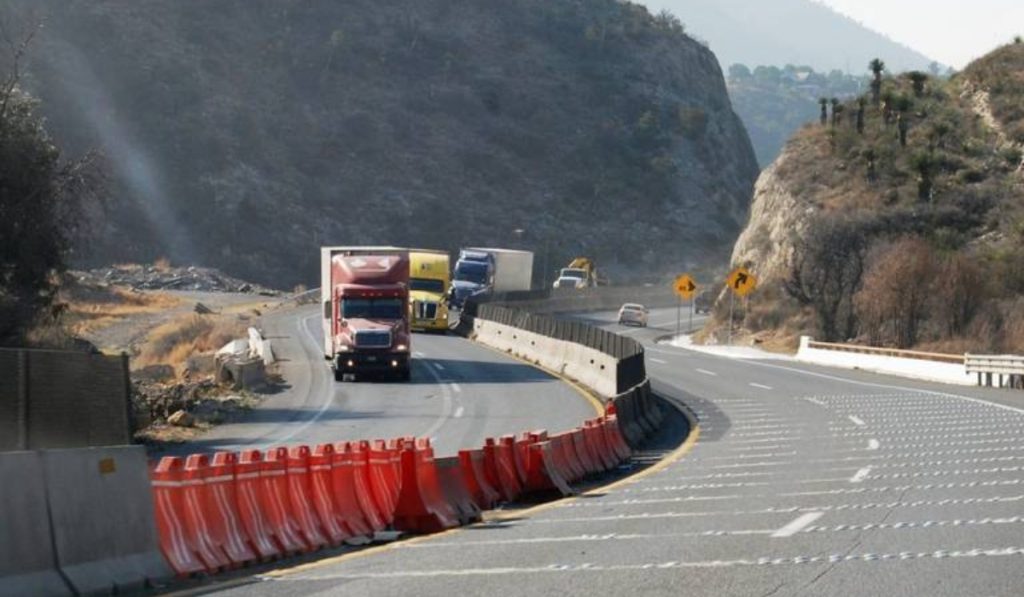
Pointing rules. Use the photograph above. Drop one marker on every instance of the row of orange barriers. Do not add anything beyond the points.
(232, 509)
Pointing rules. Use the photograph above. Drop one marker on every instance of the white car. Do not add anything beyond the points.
(633, 314)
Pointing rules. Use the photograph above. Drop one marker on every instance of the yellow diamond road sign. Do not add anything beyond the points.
(741, 281)
(685, 286)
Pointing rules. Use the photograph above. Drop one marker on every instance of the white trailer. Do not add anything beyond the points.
(513, 270)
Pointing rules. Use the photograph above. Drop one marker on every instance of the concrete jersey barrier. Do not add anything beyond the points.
(27, 560)
(102, 512)
(77, 521)
(588, 366)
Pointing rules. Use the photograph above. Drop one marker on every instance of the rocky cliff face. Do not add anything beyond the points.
(932, 166)
(242, 135)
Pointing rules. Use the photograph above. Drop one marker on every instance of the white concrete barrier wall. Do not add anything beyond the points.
(104, 528)
(588, 366)
(950, 373)
(27, 560)
(77, 521)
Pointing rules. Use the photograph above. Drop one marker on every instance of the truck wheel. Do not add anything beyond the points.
(338, 375)
(405, 374)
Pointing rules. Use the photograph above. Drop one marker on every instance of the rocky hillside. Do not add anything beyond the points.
(242, 135)
(901, 220)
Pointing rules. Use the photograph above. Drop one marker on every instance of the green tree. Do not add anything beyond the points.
(41, 196)
(918, 79)
(924, 165)
(739, 72)
(877, 67)
(903, 105)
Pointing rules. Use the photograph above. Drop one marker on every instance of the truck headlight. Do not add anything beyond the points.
(402, 348)
(343, 348)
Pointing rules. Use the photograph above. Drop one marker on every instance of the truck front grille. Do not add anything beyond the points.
(373, 339)
(426, 310)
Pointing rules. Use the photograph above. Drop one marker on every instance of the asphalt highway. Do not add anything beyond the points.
(460, 394)
(802, 480)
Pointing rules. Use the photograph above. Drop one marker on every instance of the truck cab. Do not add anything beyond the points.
(570, 277)
(474, 274)
(366, 314)
(429, 281)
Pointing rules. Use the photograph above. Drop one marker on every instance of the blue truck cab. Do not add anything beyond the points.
(474, 274)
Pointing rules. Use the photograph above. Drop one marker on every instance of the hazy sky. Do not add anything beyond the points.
(953, 32)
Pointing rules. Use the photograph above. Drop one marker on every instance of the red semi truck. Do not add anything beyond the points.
(365, 295)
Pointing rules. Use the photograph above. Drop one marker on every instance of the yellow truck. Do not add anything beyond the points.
(429, 279)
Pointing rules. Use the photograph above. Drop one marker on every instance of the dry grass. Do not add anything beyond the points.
(162, 264)
(98, 308)
(173, 342)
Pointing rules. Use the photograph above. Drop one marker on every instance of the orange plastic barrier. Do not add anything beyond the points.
(614, 437)
(383, 483)
(561, 459)
(583, 453)
(456, 490)
(598, 447)
(299, 494)
(222, 498)
(256, 522)
(176, 542)
(321, 485)
(574, 469)
(544, 475)
(349, 508)
(421, 506)
(520, 450)
(200, 521)
(501, 472)
(484, 495)
(368, 501)
(276, 500)
(393, 449)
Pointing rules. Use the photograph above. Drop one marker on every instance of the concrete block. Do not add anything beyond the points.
(101, 506)
(27, 560)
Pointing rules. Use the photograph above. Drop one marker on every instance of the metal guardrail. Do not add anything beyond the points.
(890, 352)
(1009, 368)
(999, 364)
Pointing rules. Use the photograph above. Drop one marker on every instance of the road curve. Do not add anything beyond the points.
(802, 481)
(460, 393)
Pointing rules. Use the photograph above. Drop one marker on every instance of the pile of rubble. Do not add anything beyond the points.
(149, 277)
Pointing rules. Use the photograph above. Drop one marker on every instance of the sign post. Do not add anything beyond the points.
(684, 287)
(740, 282)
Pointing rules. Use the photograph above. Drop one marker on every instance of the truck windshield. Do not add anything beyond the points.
(426, 285)
(382, 308)
(579, 274)
(468, 271)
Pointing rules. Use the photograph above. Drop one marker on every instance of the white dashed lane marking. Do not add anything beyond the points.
(856, 421)
(860, 475)
(658, 361)
(836, 558)
(797, 525)
(762, 386)
(706, 372)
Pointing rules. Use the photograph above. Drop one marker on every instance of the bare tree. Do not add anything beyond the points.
(826, 268)
(893, 303)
